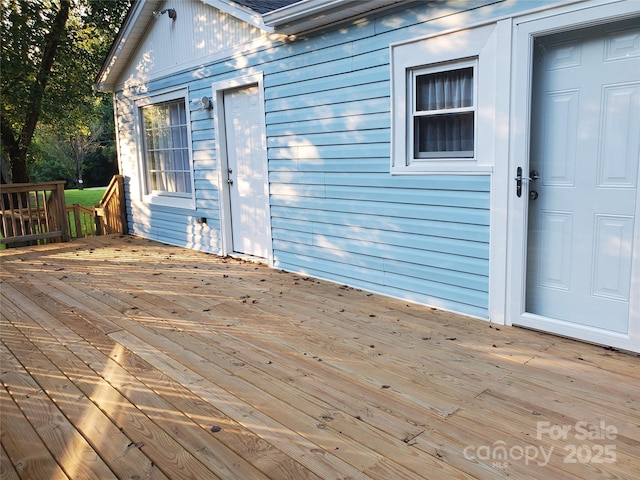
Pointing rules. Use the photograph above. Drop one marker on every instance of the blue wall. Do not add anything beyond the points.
(337, 212)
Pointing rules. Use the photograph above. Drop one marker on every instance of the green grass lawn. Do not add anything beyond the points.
(87, 197)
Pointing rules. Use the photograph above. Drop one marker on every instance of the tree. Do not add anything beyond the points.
(51, 51)
(42, 56)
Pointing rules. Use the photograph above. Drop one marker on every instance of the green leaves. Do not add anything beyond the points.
(48, 68)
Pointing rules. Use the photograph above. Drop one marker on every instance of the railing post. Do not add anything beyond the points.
(111, 214)
(76, 219)
(62, 212)
(122, 208)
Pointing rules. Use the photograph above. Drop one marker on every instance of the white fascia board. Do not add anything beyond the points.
(300, 10)
(309, 15)
(240, 12)
(127, 39)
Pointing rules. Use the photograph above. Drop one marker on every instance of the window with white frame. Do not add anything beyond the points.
(166, 148)
(443, 113)
(443, 103)
(166, 151)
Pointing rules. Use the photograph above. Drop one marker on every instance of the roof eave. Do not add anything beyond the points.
(309, 15)
(286, 18)
(123, 46)
(133, 29)
(303, 16)
(240, 12)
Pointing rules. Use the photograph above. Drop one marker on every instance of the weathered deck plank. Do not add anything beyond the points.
(62, 438)
(172, 363)
(22, 444)
(7, 470)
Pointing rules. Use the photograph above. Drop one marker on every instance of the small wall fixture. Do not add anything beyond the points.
(170, 11)
(203, 103)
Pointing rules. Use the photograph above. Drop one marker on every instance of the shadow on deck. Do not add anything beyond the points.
(125, 358)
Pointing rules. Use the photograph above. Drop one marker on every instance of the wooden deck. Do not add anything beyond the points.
(123, 358)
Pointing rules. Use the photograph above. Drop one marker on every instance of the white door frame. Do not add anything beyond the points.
(218, 89)
(525, 29)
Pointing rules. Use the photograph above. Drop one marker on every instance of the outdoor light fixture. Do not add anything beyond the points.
(203, 103)
(171, 11)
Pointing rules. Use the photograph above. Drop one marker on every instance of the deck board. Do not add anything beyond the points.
(122, 357)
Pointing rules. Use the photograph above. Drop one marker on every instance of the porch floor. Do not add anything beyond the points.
(124, 358)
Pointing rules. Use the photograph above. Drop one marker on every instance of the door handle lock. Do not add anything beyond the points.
(533, 176)
(519, 178)
(230, 181)
(533, 195)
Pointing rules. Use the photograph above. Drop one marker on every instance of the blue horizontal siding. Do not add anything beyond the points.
(163, 224)
(337, 80)
(420, 226)
(382, 209)
(312, 245)
(201, 134)
(442, 295)
(418, 197)
(478, 283)
(322, 152)
(344, 124)
(346, 109)
(329, 269)
(340, 95)
(336, 211)
(350, 137)
(371, 165)
(421, 241)
(471, 183)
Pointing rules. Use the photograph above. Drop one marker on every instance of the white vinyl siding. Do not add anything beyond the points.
(199, 33)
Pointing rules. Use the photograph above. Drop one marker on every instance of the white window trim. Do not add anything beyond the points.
(166, 199)
(446, 48)
(411, 84)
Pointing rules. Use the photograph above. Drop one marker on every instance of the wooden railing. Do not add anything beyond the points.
(82, 221)
(33, 212)
(111, 215)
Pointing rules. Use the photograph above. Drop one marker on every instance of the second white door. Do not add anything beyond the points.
(247, 172)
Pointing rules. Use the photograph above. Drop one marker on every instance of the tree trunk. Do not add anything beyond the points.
(19, 147)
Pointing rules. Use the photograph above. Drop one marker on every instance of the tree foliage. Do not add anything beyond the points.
(88, 154)
(51, 53)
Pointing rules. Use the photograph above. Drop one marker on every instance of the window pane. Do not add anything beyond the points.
(153, 181)
(444, 90)
(166, 147)
(444, 133)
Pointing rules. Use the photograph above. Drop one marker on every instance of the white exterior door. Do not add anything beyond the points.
(247, 177)
(582, 236)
